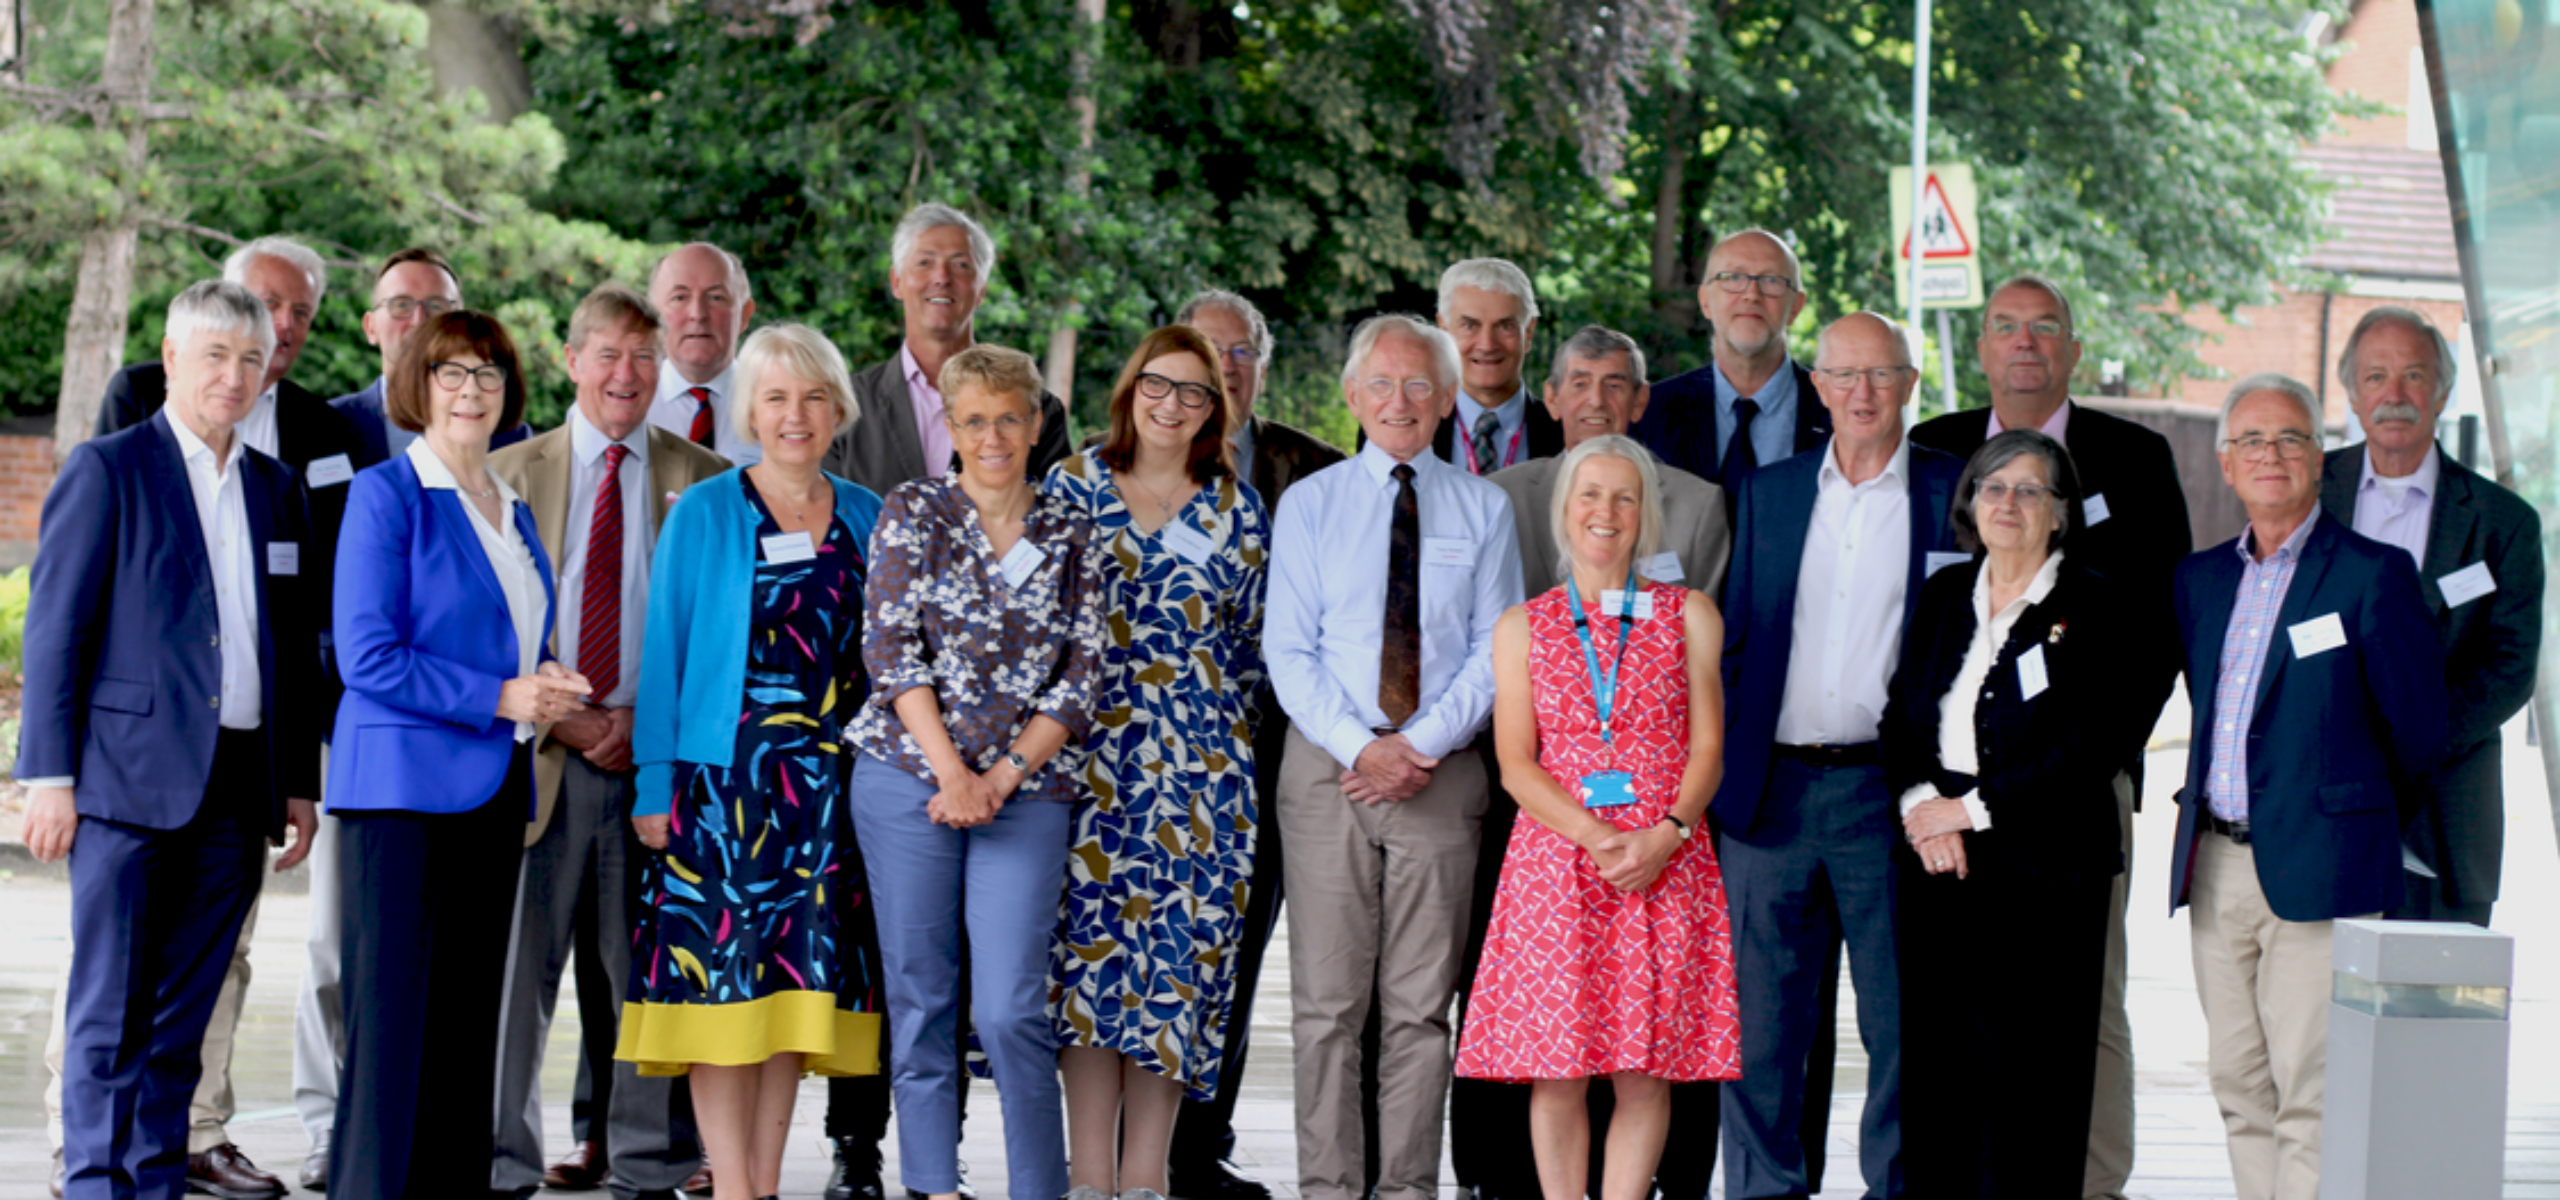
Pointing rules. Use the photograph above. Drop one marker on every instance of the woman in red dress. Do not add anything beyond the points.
(1609, 955)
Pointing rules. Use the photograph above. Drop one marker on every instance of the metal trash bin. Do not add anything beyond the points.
(2416, 1103)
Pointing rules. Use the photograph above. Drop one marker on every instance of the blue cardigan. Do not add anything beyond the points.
(693, 656)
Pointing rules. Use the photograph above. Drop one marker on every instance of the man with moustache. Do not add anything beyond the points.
(1488, 305)
(1831, 548)
(701, 292)
(1753, 290)
(413, 287)
(2135, 532)
(600, 485)
(2478, 549)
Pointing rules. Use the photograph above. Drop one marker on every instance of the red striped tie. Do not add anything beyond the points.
(700, 434)
(600, 603)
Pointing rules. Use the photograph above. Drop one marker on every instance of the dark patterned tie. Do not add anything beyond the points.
(1739, 458)
(700, 434)
(1488, 452)
(600, 593)
(1400, 646)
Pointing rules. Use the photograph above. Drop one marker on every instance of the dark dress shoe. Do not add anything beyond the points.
(581, 1171)
(698, 1183)
(856, 1174)
(1216, 1181)
(224, 1172)
(315, 1170)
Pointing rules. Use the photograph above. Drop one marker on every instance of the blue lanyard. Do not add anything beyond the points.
(1604, 688)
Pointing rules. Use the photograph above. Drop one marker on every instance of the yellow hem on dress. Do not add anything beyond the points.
(668, 1039)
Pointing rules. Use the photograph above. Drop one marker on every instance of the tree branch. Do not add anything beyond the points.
(192, 229)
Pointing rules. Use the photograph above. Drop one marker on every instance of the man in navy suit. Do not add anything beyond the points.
(1831, 549)
(2319, 715)
(1753, 290)
(172, 667)
(413, 287)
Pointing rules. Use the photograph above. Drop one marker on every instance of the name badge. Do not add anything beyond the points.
(1019, 563)
(1614, 602)
(1448, 552)
(284, 558)
(2032, 680)
(324, 472)
(2093, 511)
(2468, 584)
(2319, 635)
(789, 548)
(1662, 568)
(1940, 560)
(1186, 540)
(1608, 789)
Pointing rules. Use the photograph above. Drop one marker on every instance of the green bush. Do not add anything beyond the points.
(13, 617)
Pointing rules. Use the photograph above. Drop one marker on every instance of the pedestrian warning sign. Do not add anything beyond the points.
(1949, 272)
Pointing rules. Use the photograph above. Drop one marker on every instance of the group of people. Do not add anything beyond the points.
(837, 722)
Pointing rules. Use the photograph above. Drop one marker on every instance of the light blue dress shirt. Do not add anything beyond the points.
(1511, 419)
(1773, 432)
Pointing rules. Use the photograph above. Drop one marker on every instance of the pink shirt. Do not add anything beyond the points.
(930, 431)
(2052, 427)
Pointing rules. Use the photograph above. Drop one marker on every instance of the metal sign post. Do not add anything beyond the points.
(1919, 184)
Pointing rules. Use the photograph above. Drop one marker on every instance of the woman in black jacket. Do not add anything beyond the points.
(2017, 702)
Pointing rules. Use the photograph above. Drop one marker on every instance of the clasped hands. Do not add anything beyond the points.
(972, 798)
(1630, 859)
(544, 697)
(1388, 769)
(1936, 829)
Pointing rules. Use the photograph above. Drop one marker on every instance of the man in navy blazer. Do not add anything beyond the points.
(2319, 714)
(171, 672)
(413, 286)
(1831, 549)
(1753, 290)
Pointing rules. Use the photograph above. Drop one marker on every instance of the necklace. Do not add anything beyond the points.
(489, 493)
(1164, 504)
(799, 509)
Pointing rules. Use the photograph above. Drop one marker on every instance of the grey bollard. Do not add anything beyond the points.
(2417, 1082)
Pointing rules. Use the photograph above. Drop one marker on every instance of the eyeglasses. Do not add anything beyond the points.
(1242, 356)
(1769, 285)
(1194, 396)
(1420, 391)
(1008, 424)
(1878, 377)
(2290, 447)
(2004, 327)
(451, 375)
(1995, 493)
(401, 308)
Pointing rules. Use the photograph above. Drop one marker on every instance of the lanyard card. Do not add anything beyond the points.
(1020, 563)
(1608, 789)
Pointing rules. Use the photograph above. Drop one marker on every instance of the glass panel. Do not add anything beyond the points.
(2419, 1000)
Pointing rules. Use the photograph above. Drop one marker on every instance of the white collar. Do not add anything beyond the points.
(587, 443)
(2423, 480)
(1381, 465)
(433, 474)
(1897, 469)
(192, 448)
(2038, 587)
(672, 383)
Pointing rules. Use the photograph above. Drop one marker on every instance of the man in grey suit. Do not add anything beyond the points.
(2479, 553)
(940, 262)
(1597, 387)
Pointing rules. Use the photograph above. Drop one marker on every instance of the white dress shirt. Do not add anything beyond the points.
(222, 509)
(674, 408)
(586, 470)
(1956, 750)
(925, 396)
(259, 427)
(1325, 618)
(1849, 593)
(509, 559)
(2396, 511)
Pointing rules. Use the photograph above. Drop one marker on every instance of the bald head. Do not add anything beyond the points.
(1862, 368)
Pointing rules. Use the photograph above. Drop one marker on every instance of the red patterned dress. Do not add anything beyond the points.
(1580, 979)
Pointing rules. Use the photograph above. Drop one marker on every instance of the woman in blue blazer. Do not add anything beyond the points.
(442, 615)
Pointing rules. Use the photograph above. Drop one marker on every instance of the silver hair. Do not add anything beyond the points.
(924, 218)
(1444, 349)
(2446, 364)
(2070, 325)
(1594, 342)
(799, 351)
(1795, 268)
(218, 306)
(1491, 275)
(1611, 445)
(2269, 381)
(1901, 336)
(741, 292)
(235, 269)
(1244, 311)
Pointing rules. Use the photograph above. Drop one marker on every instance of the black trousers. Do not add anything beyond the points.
(428, 900)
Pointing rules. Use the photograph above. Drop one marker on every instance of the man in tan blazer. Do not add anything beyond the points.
(599, 486)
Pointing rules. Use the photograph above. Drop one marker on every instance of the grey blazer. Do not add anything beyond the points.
(881, 449)
(1693, 518)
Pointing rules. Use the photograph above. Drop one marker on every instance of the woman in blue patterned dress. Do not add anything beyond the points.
(755, 959)
(1143, 968)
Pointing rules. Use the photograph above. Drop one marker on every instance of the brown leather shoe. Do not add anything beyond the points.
(582, 1171)
(700, 1183)
(227, 1174)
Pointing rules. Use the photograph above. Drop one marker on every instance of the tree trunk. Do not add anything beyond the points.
(1061, 367)
(93, 345)
(472, 50)
(1670, 218)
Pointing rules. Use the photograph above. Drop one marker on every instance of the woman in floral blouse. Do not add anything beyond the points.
(984, 617)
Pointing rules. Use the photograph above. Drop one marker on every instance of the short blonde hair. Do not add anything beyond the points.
(797, 350)
(1613, 445)
(995, 369)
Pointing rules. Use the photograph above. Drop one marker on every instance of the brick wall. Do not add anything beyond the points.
(2380, 37)
(26, 473)
(2286, 337)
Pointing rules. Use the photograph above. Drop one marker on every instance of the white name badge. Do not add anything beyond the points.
(2032, 680)
(1020, 562)
(1448, 552)
(1940, 560)
(1186, 540)
(2468, 584)
(325, 472)
(1662, 568)
(1614, 602)
(789, 548)
(2093, 511)
(2319, 635)
(284, 558)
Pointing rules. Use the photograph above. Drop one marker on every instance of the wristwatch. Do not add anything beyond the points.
(1676, 823)
(1018, 762)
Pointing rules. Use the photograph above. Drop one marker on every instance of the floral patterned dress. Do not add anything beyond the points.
(756, 936)
(1144, 961)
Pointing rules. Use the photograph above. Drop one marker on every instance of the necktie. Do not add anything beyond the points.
(700, 434)
(1400, 648)
(1739, 458)
(600, 592)
(1488, 452)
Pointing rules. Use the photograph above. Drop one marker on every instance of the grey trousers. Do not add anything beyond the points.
(578, 892)
(319, 1015)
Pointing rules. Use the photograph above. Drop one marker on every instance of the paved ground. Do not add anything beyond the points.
(2181, 1143)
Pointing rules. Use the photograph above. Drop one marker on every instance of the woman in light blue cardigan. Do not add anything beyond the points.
(755, 957)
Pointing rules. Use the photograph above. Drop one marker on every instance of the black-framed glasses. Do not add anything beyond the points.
(1878, 377)
(401, 308)
(451, 375)
(2290, 447)
(1769, 285)
(2004, 327)
(1996, 493)
(1194, 396)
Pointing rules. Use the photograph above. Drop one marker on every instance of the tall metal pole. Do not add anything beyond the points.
(1919, 185)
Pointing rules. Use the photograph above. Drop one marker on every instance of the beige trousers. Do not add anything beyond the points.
(2110, 1165)
(2264, 982)
(1377, 898)
(209, 1115)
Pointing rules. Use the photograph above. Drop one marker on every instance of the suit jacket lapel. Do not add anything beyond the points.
(462, 538)
(1930, 494)
(550, 488)
(262, 531)
(1266, 464)
(2299, 598)
(1813, 421)
(1794, 493)
(2456, 508)
(901, 416)
(2339, 475)
(178, 492)
(666, 477)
